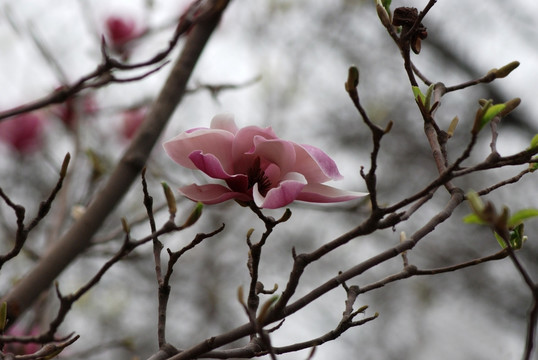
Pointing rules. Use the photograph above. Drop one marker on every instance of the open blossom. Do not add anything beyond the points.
(254, 164)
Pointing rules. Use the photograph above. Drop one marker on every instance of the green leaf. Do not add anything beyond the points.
(517, 238)
(521, 215)
(473, 219)
(428, 96)
(534, 142)
(500, 240)
(490, 113)
(475, 202)
(418, 94)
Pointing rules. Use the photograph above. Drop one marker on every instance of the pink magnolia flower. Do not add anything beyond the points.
(255, 165)
(22, 133)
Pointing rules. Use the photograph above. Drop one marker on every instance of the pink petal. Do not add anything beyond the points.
(211, 193)
(224, 122)
(275, 151)
(315, 165)
(273, 173)
(244, 144)
(210, 164)
(286, 192)
(208, 141)
(327, 194)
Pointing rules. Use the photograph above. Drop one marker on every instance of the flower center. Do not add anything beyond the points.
(257, 176)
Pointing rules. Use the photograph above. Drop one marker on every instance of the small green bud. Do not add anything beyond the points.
(352, 78)
(194, 216)
(125, 226)
(285, 217)
(240, 296)
(505, 70)
(65, 164)
(388, 127)
(170, 199)
(265, 308)
(383, 15)
(534, 142)
(485, 114)
(475, 202)
(510, 105)
(452, 126)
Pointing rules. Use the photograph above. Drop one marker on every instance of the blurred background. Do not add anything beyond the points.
(286, 63)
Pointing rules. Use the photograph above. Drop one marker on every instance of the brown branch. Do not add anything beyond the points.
(377, 134)
(511, 180)
(44, 208)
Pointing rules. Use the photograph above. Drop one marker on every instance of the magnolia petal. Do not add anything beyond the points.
(243, 144)
(208, 141)
(224, 122)
(273, 173)
(286, 192)
(275, 151)
(327, 194)
(315, 164)
(211, 193)
(209, 164)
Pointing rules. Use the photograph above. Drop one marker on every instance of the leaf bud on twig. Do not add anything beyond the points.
(265, 308)
(240, 296)
(65, 164)
(510, 106)
(170, 199)
(352, 78)
(383, 15)
(505, 70)
(194, 216)
(285, 217)
(452, 126)
(125, 226)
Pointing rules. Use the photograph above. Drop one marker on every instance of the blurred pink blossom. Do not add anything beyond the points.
(22, 133)
(74, 107)
(120, 30)
(131, 121)
(22, 348)
(255, 165)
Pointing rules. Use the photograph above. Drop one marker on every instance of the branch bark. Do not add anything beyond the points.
(79, 236)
